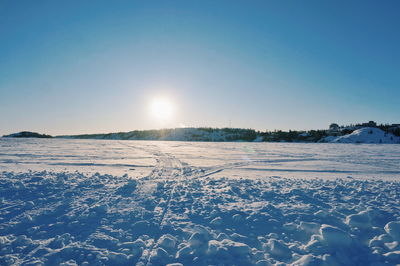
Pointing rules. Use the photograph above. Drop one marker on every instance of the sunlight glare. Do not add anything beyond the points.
(162, 109)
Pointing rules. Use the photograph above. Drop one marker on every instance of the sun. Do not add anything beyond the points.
(162, 109)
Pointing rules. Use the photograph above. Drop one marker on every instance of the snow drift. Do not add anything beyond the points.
(55, 218)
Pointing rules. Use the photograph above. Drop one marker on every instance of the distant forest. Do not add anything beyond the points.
(227, 134)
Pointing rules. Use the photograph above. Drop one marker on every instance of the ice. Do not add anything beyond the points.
(233, 160)
(198, 204)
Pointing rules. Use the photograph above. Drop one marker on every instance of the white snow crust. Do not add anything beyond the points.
(197, 208)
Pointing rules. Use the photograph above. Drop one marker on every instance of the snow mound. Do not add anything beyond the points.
(334, 236)
(366, 135)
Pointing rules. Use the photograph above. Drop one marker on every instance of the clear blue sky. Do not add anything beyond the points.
(93, 66)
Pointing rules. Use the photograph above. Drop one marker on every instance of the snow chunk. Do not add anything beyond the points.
(310, 227)
(307, 260)
(60, 241)
(138, 243)
(361, 220)
(234, 248)
(199, 238)
(393, 229)
(278, 249)
(237, 218)
(127, 189)
(184, 252)
(135, 248)
(334, 236)
(216, 221)
(263, 263)
(393, 256)
(99, 209)
(290, 227)
(392, 245)
(159, 255)
(4, 241)
(117, 258)
(69, 263)
(167, 242)
(22, 240)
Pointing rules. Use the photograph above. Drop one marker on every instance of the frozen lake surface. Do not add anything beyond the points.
(99, 202)
(232, 160)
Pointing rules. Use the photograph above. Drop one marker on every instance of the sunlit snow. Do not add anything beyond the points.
(108, 202)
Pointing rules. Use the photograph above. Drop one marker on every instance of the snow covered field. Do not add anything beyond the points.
(99, 202)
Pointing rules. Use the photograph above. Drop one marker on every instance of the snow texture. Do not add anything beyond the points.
(183, 214)
(365, 135)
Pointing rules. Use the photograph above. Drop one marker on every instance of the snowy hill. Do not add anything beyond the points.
(365, 135)
(27, 134)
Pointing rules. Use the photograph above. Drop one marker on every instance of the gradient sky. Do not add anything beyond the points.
(69, 67)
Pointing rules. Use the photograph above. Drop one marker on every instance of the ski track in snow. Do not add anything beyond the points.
(181, 213)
